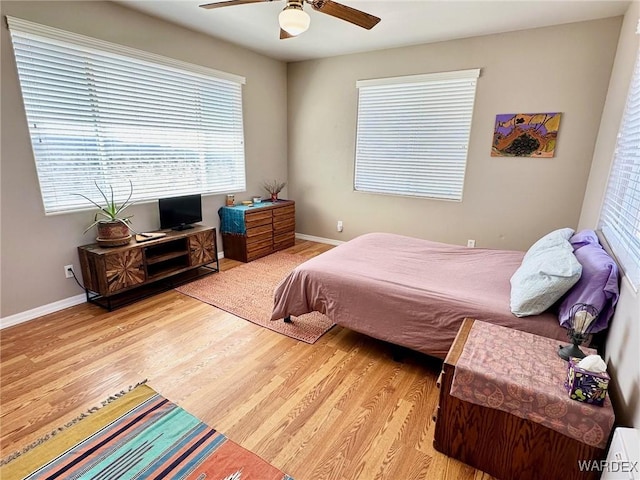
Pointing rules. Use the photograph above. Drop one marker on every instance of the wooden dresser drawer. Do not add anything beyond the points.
(284, 224)
(257, 218)
(288, 211)
(259, 230)
(284, 240)
(259, 245)
(259, 238)
(261, 252)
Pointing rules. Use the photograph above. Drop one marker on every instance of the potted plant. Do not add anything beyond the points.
(113, 228)
(274, 188)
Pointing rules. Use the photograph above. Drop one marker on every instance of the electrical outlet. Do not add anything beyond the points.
(471, 243)
(68, 271)
(339, 226)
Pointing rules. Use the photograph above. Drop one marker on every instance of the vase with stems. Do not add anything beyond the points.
(274, 188)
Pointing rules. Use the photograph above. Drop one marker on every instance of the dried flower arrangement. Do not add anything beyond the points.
(274, 188)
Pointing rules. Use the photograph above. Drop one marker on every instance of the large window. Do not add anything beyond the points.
(100, 112)
(413, 134)
(620, 216)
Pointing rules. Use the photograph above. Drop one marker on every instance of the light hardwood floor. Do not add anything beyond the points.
(339, 409)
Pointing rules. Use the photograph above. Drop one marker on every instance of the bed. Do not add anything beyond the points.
(409, 292)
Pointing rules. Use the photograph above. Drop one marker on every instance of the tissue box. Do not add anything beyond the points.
(585, 386)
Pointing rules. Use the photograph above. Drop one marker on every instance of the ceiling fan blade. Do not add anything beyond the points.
(229, 3)
(349, 14)
(284, 34)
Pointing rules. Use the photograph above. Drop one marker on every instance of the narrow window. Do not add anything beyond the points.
(620, 215)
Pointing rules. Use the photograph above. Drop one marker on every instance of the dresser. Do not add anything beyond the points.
(250, 232)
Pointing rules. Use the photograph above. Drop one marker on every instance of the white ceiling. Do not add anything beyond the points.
(404, 22)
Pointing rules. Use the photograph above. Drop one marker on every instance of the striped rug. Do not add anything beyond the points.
(140, 435)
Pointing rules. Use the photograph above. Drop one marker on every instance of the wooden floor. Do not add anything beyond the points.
(339, 409)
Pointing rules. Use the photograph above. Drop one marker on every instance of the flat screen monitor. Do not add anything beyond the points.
(178, 213)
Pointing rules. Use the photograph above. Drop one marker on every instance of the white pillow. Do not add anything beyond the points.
(543, 277)
(553, 239)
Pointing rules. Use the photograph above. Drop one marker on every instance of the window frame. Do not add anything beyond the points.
(202, 152)
(431, 168)
(621, 200)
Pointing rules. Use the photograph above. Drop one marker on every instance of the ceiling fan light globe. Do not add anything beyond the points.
(294, 21)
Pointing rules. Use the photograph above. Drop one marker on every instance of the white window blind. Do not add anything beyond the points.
(107, 113)
(620, 216)
(413, 134)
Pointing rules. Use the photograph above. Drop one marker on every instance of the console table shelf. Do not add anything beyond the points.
(117, 276)
(166, 256)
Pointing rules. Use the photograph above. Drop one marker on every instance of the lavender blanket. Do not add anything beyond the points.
(408, 291)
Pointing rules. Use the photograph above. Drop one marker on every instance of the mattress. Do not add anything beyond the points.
(408, 291)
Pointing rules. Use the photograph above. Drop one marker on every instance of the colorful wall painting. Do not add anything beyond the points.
(525, 135)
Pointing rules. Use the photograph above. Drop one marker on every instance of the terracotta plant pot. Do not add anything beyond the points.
(113, 234)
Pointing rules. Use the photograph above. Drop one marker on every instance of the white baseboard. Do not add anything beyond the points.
(22, 317)
(311, 238)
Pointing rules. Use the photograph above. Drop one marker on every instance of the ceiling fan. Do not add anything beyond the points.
(294, 20)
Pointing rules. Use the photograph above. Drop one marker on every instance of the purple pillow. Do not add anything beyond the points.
(582, 238)
(598, 286)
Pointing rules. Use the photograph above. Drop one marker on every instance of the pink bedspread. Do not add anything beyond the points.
(408, 291)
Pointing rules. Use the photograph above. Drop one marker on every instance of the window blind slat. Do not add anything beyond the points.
(101, 112)
(620, 215)
(412, 136)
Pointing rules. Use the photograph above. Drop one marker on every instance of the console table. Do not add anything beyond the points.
(516, 419)
(250, 232)
(116, 276)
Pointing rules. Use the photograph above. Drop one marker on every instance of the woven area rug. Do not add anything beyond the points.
(140, 435)
(247, 292)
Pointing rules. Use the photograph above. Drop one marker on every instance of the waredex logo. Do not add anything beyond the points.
(608, 466)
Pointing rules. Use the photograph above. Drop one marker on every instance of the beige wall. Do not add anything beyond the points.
(623, 343)
(508, 202)
(36, 247)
